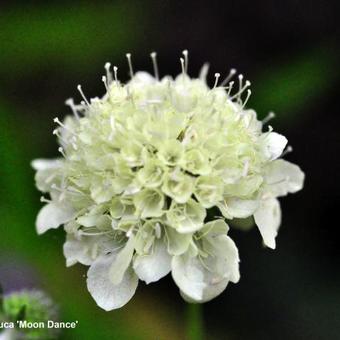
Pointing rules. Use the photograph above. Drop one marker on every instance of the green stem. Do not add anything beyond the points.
(194, 320)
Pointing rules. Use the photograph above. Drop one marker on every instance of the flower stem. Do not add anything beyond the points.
(194, 318)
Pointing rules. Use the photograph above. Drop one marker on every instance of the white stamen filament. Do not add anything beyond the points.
(82, 94)
(128, 56)
(226, 80)
(289, 149)
(155, 65)
(115, 71)
(182, 66)
(217, 77)
(269, 117)
(70, 102)
(108, 73)
(186, 60)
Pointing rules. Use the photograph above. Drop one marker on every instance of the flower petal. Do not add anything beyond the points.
(283, 177)
(272, 145)
(188, 275)
(107, 295)
(151, 268)
(177, 243)
(268, 218)
(52, 215)
(239, 208)
(122, 262)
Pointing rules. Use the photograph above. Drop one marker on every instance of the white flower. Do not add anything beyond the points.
(150, 170)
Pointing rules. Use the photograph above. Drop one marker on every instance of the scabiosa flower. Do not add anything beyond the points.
(150, 173)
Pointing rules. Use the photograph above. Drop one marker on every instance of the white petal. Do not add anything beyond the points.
(74, 252)
(273, 144)
(122, 262)
(107, 295)
(151, 268)
(239, 208)
(187, 273)
(85, 249)
(283, 177)
(232, 256)
(52, 215)
(177, 243)
(268, 219)
(210, 291)
(196, 283)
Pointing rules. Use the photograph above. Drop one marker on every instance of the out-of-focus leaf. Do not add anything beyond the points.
(288, 87)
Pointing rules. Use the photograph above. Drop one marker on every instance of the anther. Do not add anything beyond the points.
(128, 56)
(154, 63)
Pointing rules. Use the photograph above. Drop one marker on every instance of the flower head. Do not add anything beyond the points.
(143, 170)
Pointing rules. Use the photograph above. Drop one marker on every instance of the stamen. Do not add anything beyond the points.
(82, 94)
(241, 90)
(240, 82)
(56, 120)
(61, 150)
(154, 63)
(128, 56)
(70, 102)
(182, 66)
(230, 87)
(45, 200)
(289, 149)
(217, 77)
(226, 80)
(104, 80)
(108, 73)
(186, 60)
(204, 72)
(57, 133)
(115, 70)
(246, 100)
(269, 117)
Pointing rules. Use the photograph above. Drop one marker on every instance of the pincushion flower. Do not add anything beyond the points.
(142, 171)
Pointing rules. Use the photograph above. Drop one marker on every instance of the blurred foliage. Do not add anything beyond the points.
(70, 36)
(289, 87)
